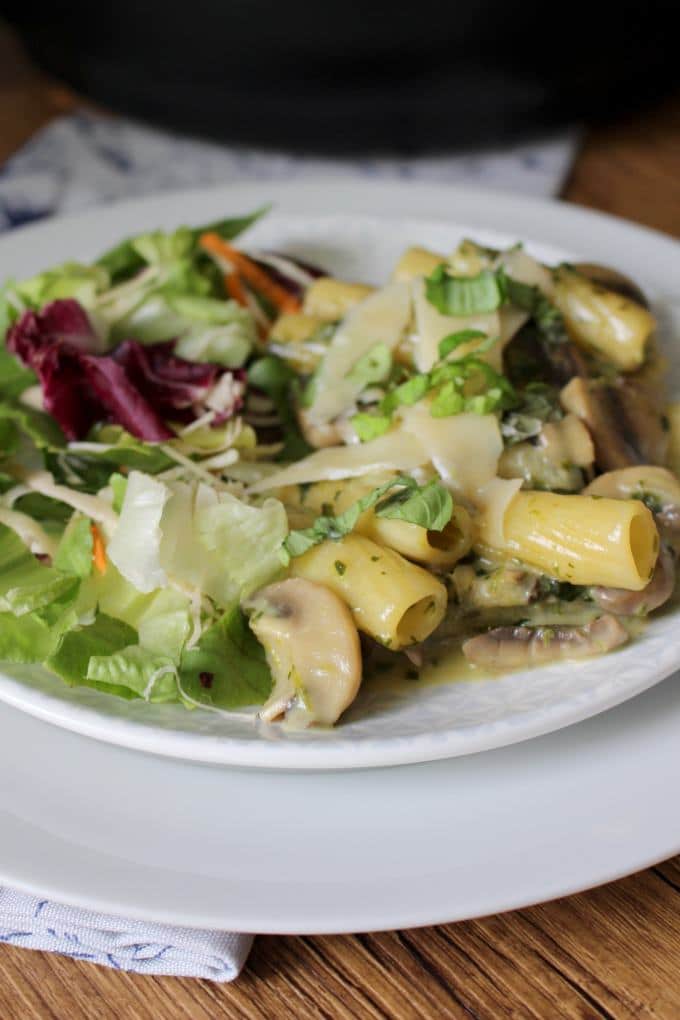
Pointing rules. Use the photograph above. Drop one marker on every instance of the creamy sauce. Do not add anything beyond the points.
(389, 681)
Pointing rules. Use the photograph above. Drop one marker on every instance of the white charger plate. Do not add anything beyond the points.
(102, 827)
(370, 226)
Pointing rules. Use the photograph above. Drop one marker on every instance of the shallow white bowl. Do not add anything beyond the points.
(369, 227)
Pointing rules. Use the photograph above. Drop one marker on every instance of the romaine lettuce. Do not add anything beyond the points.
(227, 669)
(210, 541)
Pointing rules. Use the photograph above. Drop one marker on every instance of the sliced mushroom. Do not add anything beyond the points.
(312, 647)
(623, 420)
(644, 481)
(612, 279)
(552, 459)
(530, 358)
(656, 486)
(505, 586)
(622, 602)
(518, 647)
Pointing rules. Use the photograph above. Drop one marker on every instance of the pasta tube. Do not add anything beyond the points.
(392, 600)
(673, 415)
(603, 320)
(580, 539)
(416, 262)
(436, 548)
(288, 336)
(330, 299)
(294, 327)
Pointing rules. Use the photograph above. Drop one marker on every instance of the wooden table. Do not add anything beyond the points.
(613, 952)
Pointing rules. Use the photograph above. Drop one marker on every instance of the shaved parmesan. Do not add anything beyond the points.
(431, 327)
(525, 269)
(394, 451)
(381, 318)
(493, 500)
(463, 448)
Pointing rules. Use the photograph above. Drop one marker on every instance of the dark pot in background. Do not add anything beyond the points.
(343, 76)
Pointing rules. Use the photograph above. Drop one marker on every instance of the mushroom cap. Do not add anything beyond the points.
(612, 279)
(312, 647)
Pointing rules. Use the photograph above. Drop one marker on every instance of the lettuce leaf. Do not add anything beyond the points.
(161, 619)
(210, 541)
(131, 255)
(103, 637)
(37, 426)
(277, 379)
(142, 673)
(136, 545)
(227, 669)
(74, 554)
(25, 583)
(14, 377)
(70, 280)
(28, 638)
(217, 331)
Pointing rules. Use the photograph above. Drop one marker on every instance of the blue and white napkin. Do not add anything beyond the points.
(122, 944)
(84, 160)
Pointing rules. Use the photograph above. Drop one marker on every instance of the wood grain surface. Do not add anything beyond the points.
(613, 952)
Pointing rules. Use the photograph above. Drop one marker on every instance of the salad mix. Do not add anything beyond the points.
(228, 479)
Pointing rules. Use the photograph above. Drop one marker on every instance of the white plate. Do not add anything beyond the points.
(249, 850)
(362, 239)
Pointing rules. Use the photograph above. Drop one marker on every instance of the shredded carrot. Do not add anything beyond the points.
(98, 549)
(255, 277)
(234, 287)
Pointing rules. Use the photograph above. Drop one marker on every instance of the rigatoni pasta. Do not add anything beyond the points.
(584, 540)
(439, 549)
(393, 601)
(609, 323)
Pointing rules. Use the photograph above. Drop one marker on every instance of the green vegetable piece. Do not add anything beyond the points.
(139, 671)
(103, 637)
(463, 295)
(28, 638)
(14, 377)
(429, 506)
(74, 555)
(427, 509)
(276, 378)
(37, 426)
(227, 669)
(127, 258)
(373, 367)
(447, 402)
(370, 426)
(26, 584)
(407, 393)
(453, 340)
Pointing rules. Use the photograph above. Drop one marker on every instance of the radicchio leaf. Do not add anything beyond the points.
(137, 387)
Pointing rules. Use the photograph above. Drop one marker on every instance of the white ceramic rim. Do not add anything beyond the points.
(556, 224)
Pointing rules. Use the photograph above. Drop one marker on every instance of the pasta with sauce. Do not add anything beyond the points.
(253, 469)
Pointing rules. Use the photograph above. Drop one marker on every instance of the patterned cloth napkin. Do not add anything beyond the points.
(123, 944)
(85, 160)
